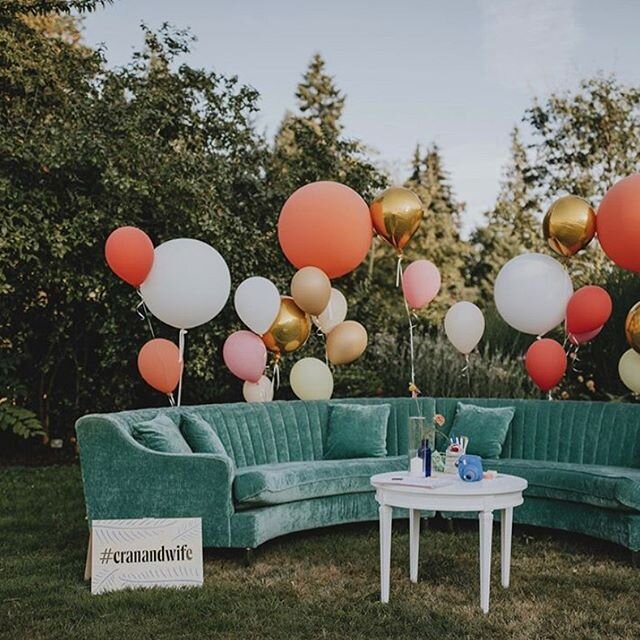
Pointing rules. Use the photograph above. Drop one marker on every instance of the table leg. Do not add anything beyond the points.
(506, 526)
(414, 543)
(385, 551)
(486, 529)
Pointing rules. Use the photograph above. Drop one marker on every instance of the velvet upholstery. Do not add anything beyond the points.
(160, 433)
(200, 435)
(357, 431)
(582, 460)
(486, 428)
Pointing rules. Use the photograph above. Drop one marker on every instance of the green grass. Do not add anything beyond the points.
(317, 584)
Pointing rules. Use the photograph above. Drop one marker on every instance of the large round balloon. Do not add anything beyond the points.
(188, 285)
(257, 303)
(420, 283)
(334, 313)
(346, 342)
(632, 327)
(311, 379)
(396, 214)
(531, 293)
(129, 254)
(325, 225)
(261, 391)
(618, 223)
(569, 225)
(159, 364)
(311, 290)
(245, 355)
(629, 370)
(588, 308)
(290, 329)
(546, 363)
(464, 326)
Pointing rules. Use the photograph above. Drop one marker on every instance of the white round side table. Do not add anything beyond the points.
(400, 490)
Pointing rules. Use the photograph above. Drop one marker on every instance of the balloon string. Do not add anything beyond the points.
(146, 315)
(275, 377)
(467, 370)
(399, 270)
(549, 396)
(172, 402)
(413, 388)
(181, 340)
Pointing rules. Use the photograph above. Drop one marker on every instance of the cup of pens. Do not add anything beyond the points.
(457, 447)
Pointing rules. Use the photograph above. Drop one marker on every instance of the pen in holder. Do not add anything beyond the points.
(457, 447)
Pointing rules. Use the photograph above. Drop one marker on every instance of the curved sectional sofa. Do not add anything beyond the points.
(581, 460)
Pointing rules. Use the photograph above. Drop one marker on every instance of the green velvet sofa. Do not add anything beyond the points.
(581, 459)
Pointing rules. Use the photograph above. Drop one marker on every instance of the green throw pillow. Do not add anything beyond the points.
(486, 428)
(357, 431)
(160, 434)
(200, 435)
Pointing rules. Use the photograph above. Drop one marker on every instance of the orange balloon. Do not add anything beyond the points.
(325, 225)
(159, 364)
(618, 223)
(129, 253)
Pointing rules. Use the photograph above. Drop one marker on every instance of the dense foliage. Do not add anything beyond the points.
(174, 150)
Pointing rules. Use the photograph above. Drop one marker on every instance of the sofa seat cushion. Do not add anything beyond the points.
(291, 481)
(598, 485)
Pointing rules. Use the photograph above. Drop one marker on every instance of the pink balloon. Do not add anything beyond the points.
(245, 355)
(420, 283)
(583, 338)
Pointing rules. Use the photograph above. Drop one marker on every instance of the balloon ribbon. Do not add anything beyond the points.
(181, 340)
(146, 315)
(467, 370)
(413, 387)
(275, 376)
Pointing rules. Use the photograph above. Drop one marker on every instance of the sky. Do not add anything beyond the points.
(460, 73)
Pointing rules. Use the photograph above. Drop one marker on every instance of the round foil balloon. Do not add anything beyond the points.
(632, 327)
(531, 293)
(188, 285)
(569, 225)
(290, 330)
(396, 214)
(629, 370)
(346, 342)
(311, 379)
(334, 313)
(261, 391)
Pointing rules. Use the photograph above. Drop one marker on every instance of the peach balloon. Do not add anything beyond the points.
(420, 283)
(311, 290)
(325, 225)
(159, 364)
(346, 342)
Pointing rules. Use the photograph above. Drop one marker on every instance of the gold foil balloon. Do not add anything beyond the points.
(396, 214)
(290, 329)
(311, 290)
(569, 225)
(346, 342)
(632, 327)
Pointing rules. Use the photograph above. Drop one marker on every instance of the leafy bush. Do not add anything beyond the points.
(19, 421)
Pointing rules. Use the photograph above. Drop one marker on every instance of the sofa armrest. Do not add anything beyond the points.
(123, 479)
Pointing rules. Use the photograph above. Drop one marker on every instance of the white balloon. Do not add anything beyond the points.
(257, 303)
(188, 285)
(629, 370)
(334, 313)
(261, 391)
(311, 379)
(464, 326)
(531, 293)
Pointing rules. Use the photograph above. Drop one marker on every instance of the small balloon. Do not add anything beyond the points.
(588, 308)
(311, 290)
(632, 327)
(261, 391)
(290, 329)
(346, 342)
(257, 303)
(311, 379)
(334, 313)
(129, 254)
(569, 225)
(159, 365)
(396, 214)
(420, 283)
(464, 326)
(245, 355)
(546, 363)
(629, 370)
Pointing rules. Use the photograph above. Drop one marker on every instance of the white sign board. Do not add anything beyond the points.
(148, 552)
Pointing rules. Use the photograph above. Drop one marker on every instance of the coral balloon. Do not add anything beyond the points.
(129, 254)
(346, 342)
(245, 355)
(334, 313)
(588, 308)
(629, 370)
(546, 363)
(618, 223)
(569, 225)
(420, 283)
(396, 214)
(311, 379)
(582, 338)
(311, 290)
(632, 327)
(325, 225)
(159, 364)
(261, 391)
(290, 330)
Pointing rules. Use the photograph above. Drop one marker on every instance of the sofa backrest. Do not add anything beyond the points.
(606, 433)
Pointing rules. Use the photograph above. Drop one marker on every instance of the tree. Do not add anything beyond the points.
(513, 225)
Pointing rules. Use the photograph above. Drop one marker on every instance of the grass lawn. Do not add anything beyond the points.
(317, 584)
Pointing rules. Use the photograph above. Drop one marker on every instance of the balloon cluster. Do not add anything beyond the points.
(183, 282)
